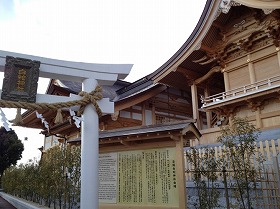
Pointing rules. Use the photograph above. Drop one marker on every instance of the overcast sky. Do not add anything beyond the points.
(145, 33)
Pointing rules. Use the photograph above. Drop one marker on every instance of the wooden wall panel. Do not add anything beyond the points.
(271, 122)
(245, 112)
(234, 64)
(253, 123)
(262, 52)
(209, 136)
(266, 68)
(239, 77)
(271, 105)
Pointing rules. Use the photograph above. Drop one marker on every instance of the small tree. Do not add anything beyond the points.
(55, 181)
(239, 141)
(11, 149)
(205, 167)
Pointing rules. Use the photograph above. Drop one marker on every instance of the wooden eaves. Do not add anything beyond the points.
(136, 93)
(146, 137)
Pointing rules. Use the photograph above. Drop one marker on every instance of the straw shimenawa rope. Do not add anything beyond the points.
(88, 98)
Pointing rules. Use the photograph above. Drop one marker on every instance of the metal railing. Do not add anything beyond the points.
(242, 91)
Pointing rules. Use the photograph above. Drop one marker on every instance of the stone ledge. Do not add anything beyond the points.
(21, 203)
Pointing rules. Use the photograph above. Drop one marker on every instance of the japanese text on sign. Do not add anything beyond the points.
(145, 177)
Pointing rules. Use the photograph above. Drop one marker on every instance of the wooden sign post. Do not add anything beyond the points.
(90, 75)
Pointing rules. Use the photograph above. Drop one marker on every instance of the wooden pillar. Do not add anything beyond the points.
(258, 118)
(52, 139)
(226, 80)
(251, 70)
(153, 114)
(191, 143)
(181, 178)
(45, 141)
(208, 114)
(143, 113)
(230, 119)
(278, 55)
(195, 105)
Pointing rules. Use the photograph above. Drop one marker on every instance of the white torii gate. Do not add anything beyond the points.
(90, 75)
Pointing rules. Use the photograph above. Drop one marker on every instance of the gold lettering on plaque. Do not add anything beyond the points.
(21, 80)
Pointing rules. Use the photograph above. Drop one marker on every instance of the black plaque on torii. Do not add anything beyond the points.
(20, 80)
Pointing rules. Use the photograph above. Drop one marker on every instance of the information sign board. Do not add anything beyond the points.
(146, 177)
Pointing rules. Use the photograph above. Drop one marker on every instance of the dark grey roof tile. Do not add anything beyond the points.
(107, 91)
(143, 129)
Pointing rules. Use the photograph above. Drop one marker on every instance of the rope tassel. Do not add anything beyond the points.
(18, 119)
(58, 117)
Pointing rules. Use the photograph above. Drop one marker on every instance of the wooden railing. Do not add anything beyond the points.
(242, 91)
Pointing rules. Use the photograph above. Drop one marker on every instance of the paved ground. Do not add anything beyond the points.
(5, 205)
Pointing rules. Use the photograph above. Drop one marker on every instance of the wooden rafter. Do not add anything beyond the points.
(215, 69)
(189, 74)
(219, 26)
(207, 49)
(172, 106)
(138, 98)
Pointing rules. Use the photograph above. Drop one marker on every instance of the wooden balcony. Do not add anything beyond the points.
(260, 88)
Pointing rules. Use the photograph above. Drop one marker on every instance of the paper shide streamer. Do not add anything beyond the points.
(77, 119)
(4, 120)
(43, 120)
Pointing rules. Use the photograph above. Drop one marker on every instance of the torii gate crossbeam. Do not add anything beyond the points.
(90, 75)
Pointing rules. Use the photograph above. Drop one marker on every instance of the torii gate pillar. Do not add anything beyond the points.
(89, 152)
(89, 74)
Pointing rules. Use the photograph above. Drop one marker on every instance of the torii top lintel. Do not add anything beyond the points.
(105, 74)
